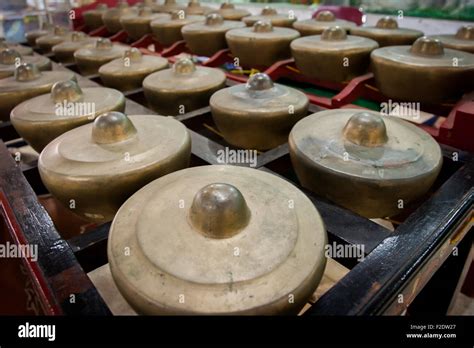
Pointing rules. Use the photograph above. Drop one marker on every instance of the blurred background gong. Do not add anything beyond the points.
(463, 40)
(322, 21)
(387, 33)
(208, 37)
(271, 15)
(167, 30)
(128, 72)
(260, 45)
(90, 59)
(183, 88)
(333, 55)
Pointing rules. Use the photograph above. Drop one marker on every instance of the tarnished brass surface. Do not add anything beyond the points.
(46, 42)
(206, 38)
(10, 59)
(127, 73)
(31, 36)
(257, 115)
(261, 45)
(387, 33)
(137, 24)
(372, 164)
(90, 59)
(64, 51)
(41, 119)
(184, 258)
(183, 88)
(230, 13)
(99, 165)
(28, 82)
(93, 18)
(168, 6)
(23, 50)
(423, 72)
(463, 40)
(271, 15)
(333, 55)
(167, 30)
(194, 8)
(111, 17)
(322, 21)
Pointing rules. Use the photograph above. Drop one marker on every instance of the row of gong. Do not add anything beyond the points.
(431, 70)
(220, 239)
(213, 239)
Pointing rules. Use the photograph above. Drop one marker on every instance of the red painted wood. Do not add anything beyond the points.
(121, 36)
(175, 49)
(102, 31)
(143, 42)
(458, 127)
(219, 58)
(48, 302)
(353, 90)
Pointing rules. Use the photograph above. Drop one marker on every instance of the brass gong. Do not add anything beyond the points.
(137, 24)
(194, 8)
(46, 42)
(322, 21)
(27, 82)
(229, 12)
(167, 30)
(424, 72)
(463, 40)
(41, 119)
(90, 59)
(93, 18)
(128, 72)
(261, 45)
(333, 55)
(45, 29)
(111, 17)
(217, 240)
(168, 6)
(387, 33)
(271, 15)
(206, 38)
(257, 115)
(371, 164)
(10, 59)
(64, 52)
(94, 168)
(22, 50)
(183, 88)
